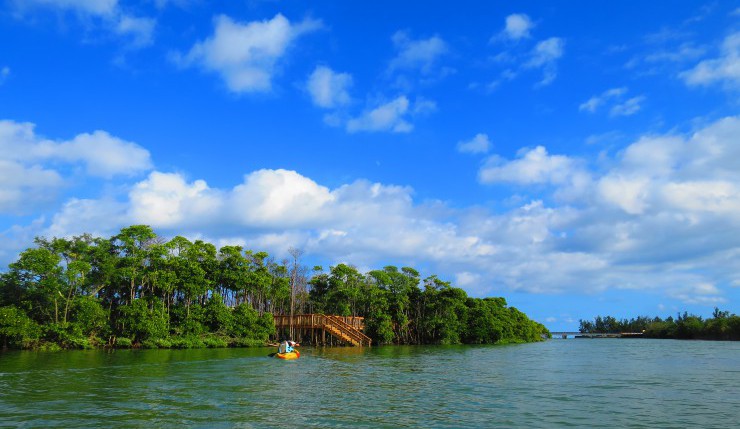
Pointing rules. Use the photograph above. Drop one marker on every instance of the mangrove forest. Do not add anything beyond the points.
(138, 289)
(721, 326)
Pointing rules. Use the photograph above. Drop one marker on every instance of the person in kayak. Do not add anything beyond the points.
(287, 346)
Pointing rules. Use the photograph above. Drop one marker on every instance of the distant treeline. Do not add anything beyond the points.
(722, 326)
(137, 289)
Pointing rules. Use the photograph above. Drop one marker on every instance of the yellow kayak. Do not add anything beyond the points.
(295, 354)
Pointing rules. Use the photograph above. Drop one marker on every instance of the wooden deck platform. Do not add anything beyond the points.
(324, 329)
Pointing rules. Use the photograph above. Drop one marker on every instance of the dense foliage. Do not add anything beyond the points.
(397, 310)
(722, 326)
(136, 289)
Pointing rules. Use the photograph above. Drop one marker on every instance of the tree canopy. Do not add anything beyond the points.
(721, 326)
(139, 289)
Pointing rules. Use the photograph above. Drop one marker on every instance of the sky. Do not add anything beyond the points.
(577, 158)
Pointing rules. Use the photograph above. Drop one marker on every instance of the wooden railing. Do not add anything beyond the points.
(348, 329)
(355, 336)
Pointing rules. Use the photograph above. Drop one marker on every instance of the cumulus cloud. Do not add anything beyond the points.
(329, 89)
(701, 293)
(274, 197)
(391, 116)
(30, 163)
(654, 216)
(518, 26)
(102, 154)
(724, 69)
(25, 187)
(478, 144)
(246, 55)
(422, 54)
(279, 208)
(166, 200)
(534, 166)
(648, 221)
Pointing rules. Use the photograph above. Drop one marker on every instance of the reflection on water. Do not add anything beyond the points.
(609, 383)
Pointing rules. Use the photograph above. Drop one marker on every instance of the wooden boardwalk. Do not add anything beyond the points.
(325, 329)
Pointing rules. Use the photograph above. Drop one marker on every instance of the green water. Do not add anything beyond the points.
(559, 383)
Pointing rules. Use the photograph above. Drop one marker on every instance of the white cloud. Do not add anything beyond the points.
(25, 187)
(29, 162)
(613, 96)
(478, 144)
(518, 26)
(391, 116)
(628, 108)
(710, 196)
(104, 155)
(420, 54)
(278, 198)
(628, 193)
(102, 218)
(513, 59)
(684, 52)
(597, 101)
(723, 69)
(329, 89)
(166, 200)
(279, 208)
(545, 55)
(655, 216)
(534, 166)
(141, 30)
(4, 73)
(246, 55)
(109, 14)
(701, 293)
(92, 7)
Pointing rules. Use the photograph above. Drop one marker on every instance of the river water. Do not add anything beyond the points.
(600, 383)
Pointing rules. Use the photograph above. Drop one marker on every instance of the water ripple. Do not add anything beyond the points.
(571, 383)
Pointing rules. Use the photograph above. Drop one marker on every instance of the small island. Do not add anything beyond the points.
(137, 289)
(722, 326)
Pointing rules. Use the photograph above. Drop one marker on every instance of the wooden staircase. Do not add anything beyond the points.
(337, 326)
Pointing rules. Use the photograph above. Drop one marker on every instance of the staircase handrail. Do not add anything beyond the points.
(354, 332)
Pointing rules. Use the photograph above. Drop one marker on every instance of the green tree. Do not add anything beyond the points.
(216, 315)
(132, 246)
(16, 328)
(39, 277)
(143, 319)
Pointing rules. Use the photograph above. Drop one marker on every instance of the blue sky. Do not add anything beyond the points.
(577, 159)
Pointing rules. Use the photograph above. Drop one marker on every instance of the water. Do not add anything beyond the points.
(560, 383)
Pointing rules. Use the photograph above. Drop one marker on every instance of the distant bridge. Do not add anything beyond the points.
(570, 334)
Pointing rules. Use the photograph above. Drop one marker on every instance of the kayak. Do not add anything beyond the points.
(295, 354)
